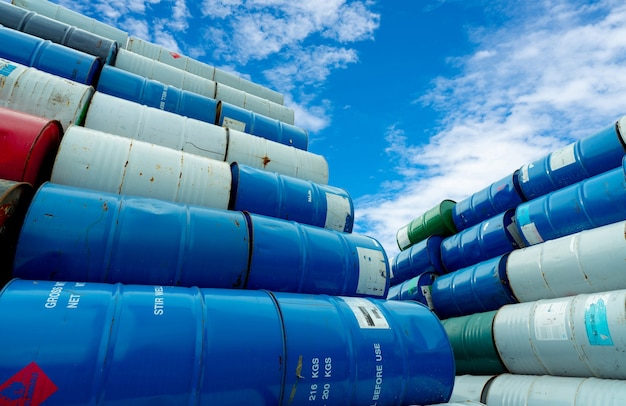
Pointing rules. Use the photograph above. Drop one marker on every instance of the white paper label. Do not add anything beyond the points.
(234, 124)
(531, 234)
(563, 157)
(367, 314)
(372, 272)
(428, 296)
(523, 177)
(550, 321)
(337, 211)
(402, 237)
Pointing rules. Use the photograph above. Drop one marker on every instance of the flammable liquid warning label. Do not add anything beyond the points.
(28, 387)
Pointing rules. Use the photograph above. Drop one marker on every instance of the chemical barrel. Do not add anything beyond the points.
(289, 198)
(470, 387)
(42, 94)
(523, 390)
(41, 26)
(590, 203)
(274, 157)
(14, 200)
(47, 56)
(586, 262)
(129, 86)
(196, 67)
(477, 288)
(436, 221)
(471, 338)
(286, 255)
(254, 103)
(417, 288)
(580, 160)
(489, 239)
(581, 336)
(240, 119)
(29, 145)
(176, 345)
(106, 162)
(425, 256)
(498, 197)
(166, 74)
(70, 17)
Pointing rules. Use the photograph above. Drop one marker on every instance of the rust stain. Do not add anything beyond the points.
(266, 160)
(105, 206)
(126, 164)
(152, 179)
(140, 173)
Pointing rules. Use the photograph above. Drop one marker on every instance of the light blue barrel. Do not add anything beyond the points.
(85, 343)
(488, 239)
(580, 160)
(479, 288)
(417, 288)
(48, 57)
(425, 256)
(241, 119)
(128, 86)
(498, 197)
(288, 256)
(43, 27)
(594, 202)
(289, 198)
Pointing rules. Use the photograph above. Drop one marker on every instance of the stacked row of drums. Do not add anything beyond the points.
(529, 278)
(166, 238)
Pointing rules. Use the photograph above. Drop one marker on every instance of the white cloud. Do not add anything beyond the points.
(550, 76)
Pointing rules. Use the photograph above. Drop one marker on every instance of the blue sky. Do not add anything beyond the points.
(410, 101)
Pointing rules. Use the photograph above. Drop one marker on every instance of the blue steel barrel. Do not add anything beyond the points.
(498, 197)
(76, 343)
(417, 288)
(41, 26)
(580, 160)
(425, 256)
(478, 288)
(488, 239)
(289, 198)
(288, 256)
(135, 88)
(591, 203)
(48, 57)
(238, 118)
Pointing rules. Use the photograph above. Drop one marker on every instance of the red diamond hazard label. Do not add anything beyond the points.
(28, 387)
(175, 55)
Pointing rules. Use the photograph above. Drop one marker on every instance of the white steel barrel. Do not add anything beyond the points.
(529, 390)
(159, 71)
(586, 262)
(254, 103)
(274, 157)
(117, 116)
(95, 160)
(35, 92)
(204, 70)
(583, 336)
(70, 17)
(469, 387)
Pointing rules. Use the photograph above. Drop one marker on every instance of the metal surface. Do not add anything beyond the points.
(417, 288)
(132, 120)
(196, 67)
(129, 86)
(470, 387)
(580, 160)
(425, 256)
(591, 203)
(42, 94)
(14, 200)
(581, 336)
(471, 338)
(498, 197)
(477, 288)
(289, 198)
(486, 240)
(41, 26)
(100, 161)
(436, 221)
(286, 255)
(29, 145)
(70, 17)
(274, 157)
(254, 103)
(586, 262)
(111, 344)
(240, 119)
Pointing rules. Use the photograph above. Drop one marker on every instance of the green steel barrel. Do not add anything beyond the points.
(436, 221)
(471, 338)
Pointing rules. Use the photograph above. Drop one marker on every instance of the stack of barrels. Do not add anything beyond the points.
(166, 238)
(529, 278)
